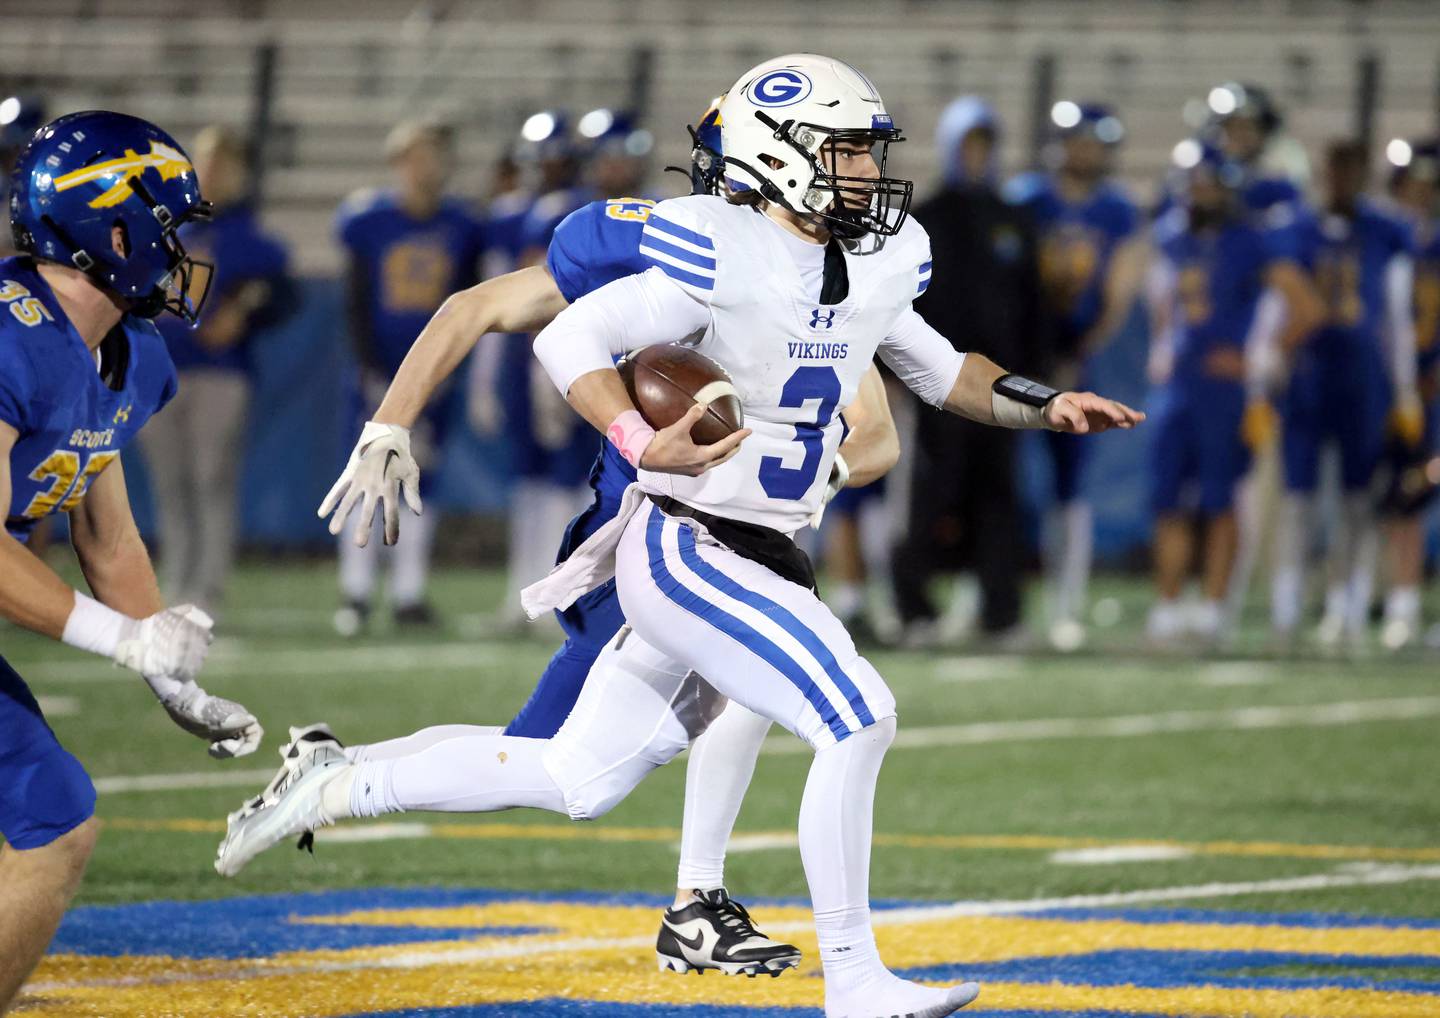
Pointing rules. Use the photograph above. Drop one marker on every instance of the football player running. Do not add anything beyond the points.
(96, 200)
(707, 576)
(594, 246)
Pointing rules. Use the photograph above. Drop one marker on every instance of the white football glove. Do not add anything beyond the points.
(839, 477)
(173, 642)
(381, 471)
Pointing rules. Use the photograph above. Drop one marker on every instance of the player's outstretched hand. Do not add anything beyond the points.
(673, 451)
(1084, 413)
(381, 471)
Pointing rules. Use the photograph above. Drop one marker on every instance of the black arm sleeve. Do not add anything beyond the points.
(358, 287)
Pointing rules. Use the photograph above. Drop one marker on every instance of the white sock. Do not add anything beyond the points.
(1287, 583)
(408, 745)
(410, 560)
(1402, 604)
(1076, 528)
(471, 774)
(847, 600)
(1362, 553)
(721, 764)
(836, 817)
(358, 566)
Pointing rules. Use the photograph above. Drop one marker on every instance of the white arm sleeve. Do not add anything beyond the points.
(630, 313)
(1262, 345)
(1400, 323)
(921, 358)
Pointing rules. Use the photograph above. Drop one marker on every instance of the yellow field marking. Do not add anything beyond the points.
(598, 953)
(942, 842)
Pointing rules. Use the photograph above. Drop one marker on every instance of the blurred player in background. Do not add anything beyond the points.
(1349, 376)
(1414, 473)
(95, 205)
(550, 451)
(1246, 124)
(963, 506)
(1224, 295)
(20, 117)
(1092, 264)
(407, 249)
(618, 152)
(195, 451)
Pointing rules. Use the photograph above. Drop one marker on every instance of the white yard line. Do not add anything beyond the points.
(523, 947)
(1320, 715)
(1110, 854)
(233, 662)
(59, 706)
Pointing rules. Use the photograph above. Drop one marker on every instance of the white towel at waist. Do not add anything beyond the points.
(589, 566)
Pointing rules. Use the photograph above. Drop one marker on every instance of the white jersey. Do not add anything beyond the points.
(795, 362)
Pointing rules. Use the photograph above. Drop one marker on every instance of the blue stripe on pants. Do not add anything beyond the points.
(744, 634)
(802, 633)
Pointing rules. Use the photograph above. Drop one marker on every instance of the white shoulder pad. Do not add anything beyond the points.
(679, 240)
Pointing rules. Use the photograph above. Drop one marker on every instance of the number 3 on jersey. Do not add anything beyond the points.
(807, 383)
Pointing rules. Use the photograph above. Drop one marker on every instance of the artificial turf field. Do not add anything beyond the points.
(1111, 833)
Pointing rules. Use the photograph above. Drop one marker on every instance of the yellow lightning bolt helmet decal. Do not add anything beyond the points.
(169, 162)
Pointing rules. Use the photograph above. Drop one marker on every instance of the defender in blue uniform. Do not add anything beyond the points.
(407, 250)
(95, 203)
(1092, 262)
(1214, 265)
(1347, 378)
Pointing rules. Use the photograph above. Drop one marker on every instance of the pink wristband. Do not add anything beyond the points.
(631, 436)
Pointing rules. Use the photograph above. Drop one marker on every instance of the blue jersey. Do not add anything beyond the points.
(505, 231)
(243, 256)
(1348, 257)
(72, 423)
(409, 266)
(1219, 277)
(1077, 240)
(597, 244)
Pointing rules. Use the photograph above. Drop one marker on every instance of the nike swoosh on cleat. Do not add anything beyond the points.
(694, 945)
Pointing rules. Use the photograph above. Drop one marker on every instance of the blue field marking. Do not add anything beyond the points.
(1175, 969)
(587, 1009)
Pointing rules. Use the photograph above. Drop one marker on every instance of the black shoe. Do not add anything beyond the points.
(713, 932)
(417, 615)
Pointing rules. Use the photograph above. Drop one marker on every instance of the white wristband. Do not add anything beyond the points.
(1011, 413)
(94, 627)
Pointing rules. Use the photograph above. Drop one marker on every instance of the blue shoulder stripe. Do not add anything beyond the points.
(665, 226)
(676, 251)
(706, 283)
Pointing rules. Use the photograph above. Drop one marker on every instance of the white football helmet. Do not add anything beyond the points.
(779, 122)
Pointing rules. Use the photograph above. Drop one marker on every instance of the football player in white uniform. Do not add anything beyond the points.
(793, 286)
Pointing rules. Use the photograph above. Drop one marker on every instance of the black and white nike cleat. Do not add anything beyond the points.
(714, 932)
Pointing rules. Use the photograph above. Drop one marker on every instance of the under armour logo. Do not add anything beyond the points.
(123, 414)
(817, 319)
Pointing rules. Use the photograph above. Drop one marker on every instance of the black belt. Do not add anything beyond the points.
(764, 545)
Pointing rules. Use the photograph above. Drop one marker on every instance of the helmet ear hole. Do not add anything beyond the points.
(120, 238)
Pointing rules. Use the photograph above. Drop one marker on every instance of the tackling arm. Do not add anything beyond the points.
(873, 446)
(522, 301)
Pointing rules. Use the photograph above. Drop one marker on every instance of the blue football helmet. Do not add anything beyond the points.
(545, 136)
(607, 130)
(707, 160)
(88, 174)
(1070, 119)
(1246, 100)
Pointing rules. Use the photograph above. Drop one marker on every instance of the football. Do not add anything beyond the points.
(666, 381)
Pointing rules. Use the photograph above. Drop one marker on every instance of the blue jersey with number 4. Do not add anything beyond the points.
(71, 422)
